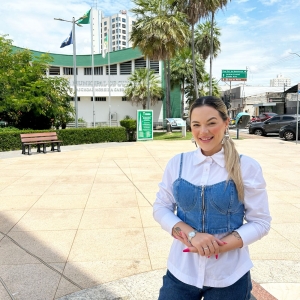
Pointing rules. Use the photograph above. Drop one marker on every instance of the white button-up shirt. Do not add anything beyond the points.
(198, 169)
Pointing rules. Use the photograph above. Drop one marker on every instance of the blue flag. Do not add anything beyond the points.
(67, 41)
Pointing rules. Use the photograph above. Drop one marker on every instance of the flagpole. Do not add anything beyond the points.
(92, 49)
(74, 72)
(109, 111)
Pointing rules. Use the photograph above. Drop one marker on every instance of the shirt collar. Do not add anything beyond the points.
(218, 157)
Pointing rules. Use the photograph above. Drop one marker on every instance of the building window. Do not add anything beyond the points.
(98, 70)
(154, 65)
(69, 71)
(105, 28)
(133, 22)
(125, 68)
(105, 23)
(124, 98)
(113, 43)
(87, 71)
(123, 20)
(124, 31)
(114, 49)
(105, 34)
(139, 63)
(73, 99)
(113, 26)
(54, 70)
(123, 25)
(99, 98)
(124, 43)
(124, 37)
(113, 20)
(113, 37)
(113, 32)
(113, 69)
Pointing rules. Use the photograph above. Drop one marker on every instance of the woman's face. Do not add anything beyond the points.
(208, 129)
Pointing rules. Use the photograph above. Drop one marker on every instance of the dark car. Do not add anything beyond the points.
(271, 125)
(264, 116)
(288, 132)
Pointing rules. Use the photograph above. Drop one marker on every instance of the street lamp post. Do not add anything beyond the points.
(297, 121)
(74, 63)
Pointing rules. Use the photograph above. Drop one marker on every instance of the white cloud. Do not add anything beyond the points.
(241, 1)
(233, 20)
(269, 2)
(247, 10)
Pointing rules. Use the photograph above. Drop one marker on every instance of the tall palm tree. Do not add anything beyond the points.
(204, 89)
(137, 88)
(182, 72)
(196, 9)
(203, 39)
(159, 31)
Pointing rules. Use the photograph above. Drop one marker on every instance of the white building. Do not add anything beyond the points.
(122, 65)
(280, 81)
(117, 27)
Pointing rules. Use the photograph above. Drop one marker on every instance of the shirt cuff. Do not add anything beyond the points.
(168, 222)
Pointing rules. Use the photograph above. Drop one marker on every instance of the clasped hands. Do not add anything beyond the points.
(203, 243)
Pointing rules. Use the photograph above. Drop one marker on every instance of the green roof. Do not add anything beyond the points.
(86, 60)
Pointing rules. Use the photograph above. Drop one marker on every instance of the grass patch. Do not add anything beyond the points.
(173, 136)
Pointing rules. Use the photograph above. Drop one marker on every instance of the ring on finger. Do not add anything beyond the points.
(205, 248)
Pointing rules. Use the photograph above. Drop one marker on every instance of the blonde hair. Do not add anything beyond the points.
(232, 158)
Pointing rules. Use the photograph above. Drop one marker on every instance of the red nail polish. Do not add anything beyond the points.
(217, 256)
(186, 250)
(208, 256)
(225, 243)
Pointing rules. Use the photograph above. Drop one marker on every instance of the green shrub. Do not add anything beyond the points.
(10, 140)
(130, 125)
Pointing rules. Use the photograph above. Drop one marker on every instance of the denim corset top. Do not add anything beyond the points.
(213, 209)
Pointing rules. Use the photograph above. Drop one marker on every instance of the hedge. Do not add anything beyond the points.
(10, 140)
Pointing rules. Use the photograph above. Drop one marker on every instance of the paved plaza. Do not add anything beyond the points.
(78, 224)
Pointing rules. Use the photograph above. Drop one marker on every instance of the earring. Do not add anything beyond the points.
(226, 136)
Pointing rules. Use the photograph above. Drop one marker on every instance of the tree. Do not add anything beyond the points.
(159, 31)
(28, 98)
(203, 39)
(182, 73)
(196, 9)
(137, 88)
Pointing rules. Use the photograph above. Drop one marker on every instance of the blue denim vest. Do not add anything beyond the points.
(212, 209)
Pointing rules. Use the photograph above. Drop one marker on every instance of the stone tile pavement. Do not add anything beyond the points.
(78, 224)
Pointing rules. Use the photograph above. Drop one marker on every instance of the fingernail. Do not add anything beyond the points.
(217, 256)
(208, 256)
(175, 237)
(186, 250)
(225, 243)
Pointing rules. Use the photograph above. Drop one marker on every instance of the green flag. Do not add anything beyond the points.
(85, 18)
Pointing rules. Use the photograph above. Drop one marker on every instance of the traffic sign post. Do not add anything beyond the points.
(234, 75)
(144, 125)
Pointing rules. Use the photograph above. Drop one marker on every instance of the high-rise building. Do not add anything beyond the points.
(117, 27)
(280, 81)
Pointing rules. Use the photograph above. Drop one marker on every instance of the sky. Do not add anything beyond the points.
(257, 35)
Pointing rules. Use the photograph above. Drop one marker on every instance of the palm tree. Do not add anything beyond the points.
(204, 89)
(137, 88)
(196, 9)
(182, 72)
(203, 39)
(159, 31)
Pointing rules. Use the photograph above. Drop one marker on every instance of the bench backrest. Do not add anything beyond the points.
(37, 137)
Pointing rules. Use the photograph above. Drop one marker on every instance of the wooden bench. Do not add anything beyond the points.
(39, 139)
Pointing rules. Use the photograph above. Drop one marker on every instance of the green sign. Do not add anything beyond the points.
(234, 75)
(144, 125)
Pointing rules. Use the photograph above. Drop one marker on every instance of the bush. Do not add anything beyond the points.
(10, 140)
(130, 125)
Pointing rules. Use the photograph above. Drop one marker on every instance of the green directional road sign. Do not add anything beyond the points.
(234, 75)
(144, 125)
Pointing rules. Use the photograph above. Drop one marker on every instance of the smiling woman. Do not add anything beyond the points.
(214, 203)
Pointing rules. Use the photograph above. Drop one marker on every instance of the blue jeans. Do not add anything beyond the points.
(174, 289)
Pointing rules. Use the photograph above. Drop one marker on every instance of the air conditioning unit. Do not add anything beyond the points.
(113, 116)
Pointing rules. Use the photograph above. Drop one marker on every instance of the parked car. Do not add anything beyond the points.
(271, 125)
(288, 132)
(264, 116)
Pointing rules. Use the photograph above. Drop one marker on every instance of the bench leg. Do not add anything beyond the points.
(38, 148)
(58, 147)
(29, 150)
(23, 149)
(44, 148)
